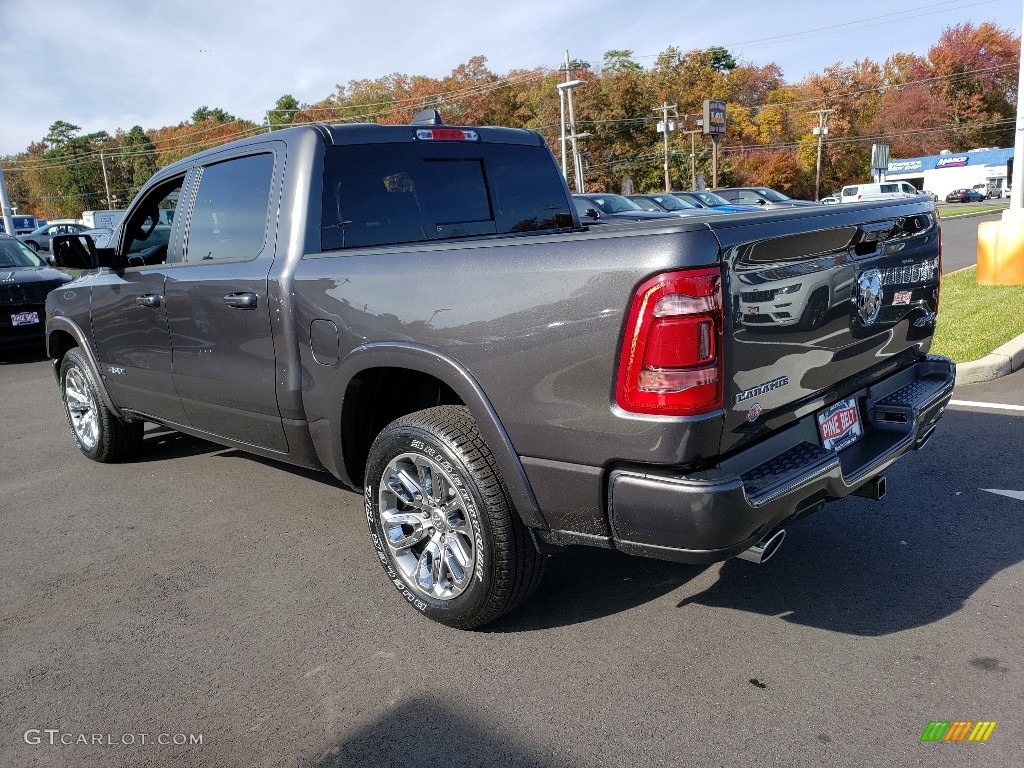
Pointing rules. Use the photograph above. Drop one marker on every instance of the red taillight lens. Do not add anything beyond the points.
(671, 362)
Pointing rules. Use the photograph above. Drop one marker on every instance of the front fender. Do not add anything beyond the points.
(62, 324)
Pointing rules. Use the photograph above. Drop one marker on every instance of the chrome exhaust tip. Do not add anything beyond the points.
(765, 548)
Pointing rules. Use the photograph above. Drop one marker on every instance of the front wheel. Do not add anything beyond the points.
(816, 311)
(33, 245)
(98, 433)
(441, 521)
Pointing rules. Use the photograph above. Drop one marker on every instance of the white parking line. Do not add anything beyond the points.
(994, 406)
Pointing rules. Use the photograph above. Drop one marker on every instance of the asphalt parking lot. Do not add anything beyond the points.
(199, 607)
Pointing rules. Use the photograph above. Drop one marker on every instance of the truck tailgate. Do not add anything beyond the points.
(819, 304)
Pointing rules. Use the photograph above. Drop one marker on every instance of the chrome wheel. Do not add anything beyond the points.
(426, 526)
(81, 405)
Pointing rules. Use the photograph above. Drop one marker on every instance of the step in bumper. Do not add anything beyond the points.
(716, 514)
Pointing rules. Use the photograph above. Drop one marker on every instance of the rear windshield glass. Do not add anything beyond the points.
(385, 194)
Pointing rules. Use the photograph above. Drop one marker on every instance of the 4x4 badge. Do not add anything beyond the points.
(869, 296)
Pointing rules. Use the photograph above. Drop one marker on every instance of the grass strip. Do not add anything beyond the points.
(976, 319)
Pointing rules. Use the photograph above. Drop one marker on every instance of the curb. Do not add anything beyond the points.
(1002, 361)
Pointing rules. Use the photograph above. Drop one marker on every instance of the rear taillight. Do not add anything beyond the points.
(671, 359)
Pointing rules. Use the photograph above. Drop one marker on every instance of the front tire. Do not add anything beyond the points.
(441, 521)
(97, 432)
(33, 245)
(816, 311)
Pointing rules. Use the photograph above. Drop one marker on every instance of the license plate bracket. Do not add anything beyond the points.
(840, 424)
(25, 318)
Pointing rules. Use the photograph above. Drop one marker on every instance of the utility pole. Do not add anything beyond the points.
(5, 206)
(692, 133)
(820, 130)
(564, 88)
(106, 184)
(664, 127)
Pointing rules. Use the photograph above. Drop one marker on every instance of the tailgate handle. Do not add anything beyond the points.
(148, 300)
(241, 300)
(879, 230)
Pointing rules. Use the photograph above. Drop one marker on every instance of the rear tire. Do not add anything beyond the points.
(442, 523)
(97, 432)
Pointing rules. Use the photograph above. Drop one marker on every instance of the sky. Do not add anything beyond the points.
(109, 64)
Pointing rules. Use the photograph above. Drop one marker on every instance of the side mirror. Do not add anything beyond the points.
(592, 213)
(74, 252)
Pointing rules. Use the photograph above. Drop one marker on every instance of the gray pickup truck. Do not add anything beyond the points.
(418, 311)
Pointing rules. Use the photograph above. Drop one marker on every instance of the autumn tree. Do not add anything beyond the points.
(974, 73)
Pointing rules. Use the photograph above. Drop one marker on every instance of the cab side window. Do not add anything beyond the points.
(148, 231)
(229, 216)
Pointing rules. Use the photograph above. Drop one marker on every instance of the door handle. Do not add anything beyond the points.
(241, 300)
(148, 300)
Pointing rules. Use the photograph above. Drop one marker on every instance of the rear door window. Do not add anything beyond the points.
(387, 194)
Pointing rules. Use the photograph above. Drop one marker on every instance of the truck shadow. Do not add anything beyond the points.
(161, 443)
(585, 584)
(430, 731)
(857, 567)
(874, 568)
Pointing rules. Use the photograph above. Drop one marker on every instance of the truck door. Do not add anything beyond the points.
(128, 309)
(218, 312)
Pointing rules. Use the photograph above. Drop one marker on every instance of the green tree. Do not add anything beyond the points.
(284, 111)
(218, 114)
(138, 160)
(721, 59)
(618, 61)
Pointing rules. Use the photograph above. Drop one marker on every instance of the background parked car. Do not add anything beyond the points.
(666, 203)
(829, 200)
(931, 195)
(25, 279)
(604, 208)
(100, 236)
(39, 238)
(964, 196)
(764, 196)
(858, 193)
(704, 199)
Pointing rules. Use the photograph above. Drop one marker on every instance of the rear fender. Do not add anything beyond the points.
(453, 374)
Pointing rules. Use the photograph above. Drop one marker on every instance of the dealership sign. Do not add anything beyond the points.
(714, 117)
(951, 162)
(900, 166)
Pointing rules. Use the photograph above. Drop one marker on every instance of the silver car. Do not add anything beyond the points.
(39, 238)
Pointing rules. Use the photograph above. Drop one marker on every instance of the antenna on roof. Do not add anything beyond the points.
(428, 117)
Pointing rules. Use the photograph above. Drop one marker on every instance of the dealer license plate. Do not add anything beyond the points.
(839, 425)
(25, 318)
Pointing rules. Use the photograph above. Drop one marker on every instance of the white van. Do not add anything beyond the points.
(858, 193)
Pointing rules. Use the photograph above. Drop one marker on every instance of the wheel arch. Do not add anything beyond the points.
(422, 377)
(63, 335)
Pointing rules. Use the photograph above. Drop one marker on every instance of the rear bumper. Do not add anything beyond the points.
(716, 514)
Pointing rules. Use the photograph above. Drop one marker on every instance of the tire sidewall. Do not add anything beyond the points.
(72, 360)
(408, 439)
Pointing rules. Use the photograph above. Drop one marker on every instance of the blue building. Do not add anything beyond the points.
(943, 173)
